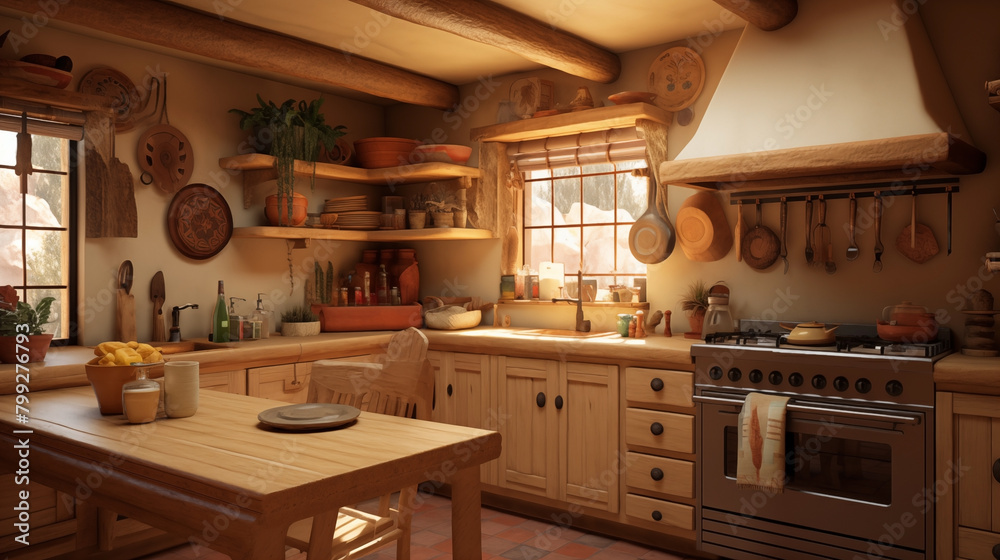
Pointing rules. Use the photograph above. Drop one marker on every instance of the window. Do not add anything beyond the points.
(37, 228)
(581, 216)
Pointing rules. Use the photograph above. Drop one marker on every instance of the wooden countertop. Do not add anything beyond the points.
(967, 374)
(63, 366)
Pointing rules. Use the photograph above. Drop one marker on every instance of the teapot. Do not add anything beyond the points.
(810, 334)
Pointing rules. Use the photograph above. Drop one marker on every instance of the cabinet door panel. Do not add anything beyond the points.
(660, 431)
(660, 512)
(282, 383)
(234, 381)
(660, 475)
(589, 420)
(659, 387)
(469, 372)
(529, 457)
(443, 409)
(974, 488)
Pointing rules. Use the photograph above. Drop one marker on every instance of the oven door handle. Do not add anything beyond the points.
(793, 406)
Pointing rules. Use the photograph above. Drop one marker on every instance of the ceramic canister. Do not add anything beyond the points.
(180, 388)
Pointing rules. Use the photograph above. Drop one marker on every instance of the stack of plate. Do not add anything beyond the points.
(352, 212)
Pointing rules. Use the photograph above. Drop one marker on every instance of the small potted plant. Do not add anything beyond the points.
(694, 302)
(21, 325)
(299, 321)
(442, 207)
(417, 214)
(297, 132)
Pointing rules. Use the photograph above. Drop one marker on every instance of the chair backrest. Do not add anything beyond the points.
(401, 383)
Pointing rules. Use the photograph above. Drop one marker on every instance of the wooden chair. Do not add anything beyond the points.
(400, 383)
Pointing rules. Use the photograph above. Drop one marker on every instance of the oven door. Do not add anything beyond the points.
(854, 482)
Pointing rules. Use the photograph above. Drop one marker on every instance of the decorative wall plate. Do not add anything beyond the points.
(676, 77)
(112, 83)
(199, 221)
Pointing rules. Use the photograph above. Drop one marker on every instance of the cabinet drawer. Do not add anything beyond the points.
(289, 382)
(664, 431)
(659, 475)
(659, 387)
(973, 543)
(659, 511)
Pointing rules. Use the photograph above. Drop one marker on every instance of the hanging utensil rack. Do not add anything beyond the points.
(860, 190)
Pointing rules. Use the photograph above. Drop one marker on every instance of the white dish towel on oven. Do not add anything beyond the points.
(760, 460)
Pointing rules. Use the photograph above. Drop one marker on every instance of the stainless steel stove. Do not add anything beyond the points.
(859, 453)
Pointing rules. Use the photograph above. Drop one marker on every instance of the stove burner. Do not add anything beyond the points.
(856, 342)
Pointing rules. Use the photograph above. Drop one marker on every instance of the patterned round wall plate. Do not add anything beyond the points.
(125, 96)
(677, 77)
(199, 221)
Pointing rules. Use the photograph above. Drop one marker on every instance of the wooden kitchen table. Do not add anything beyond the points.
(220, 480)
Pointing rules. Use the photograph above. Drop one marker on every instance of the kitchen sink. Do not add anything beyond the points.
(560, 333)
(186, 346)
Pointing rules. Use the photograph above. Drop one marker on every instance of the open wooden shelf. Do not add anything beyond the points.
(258, 168)
(590, 120)
(302, 235)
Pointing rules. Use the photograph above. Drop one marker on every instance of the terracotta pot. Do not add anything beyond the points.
(38, 345)
(276, 210)
(697, 321)
(443, 219)
(384, 151)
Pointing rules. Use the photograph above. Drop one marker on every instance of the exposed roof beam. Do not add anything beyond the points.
(765, 14)
(200, 34)
(496, 25)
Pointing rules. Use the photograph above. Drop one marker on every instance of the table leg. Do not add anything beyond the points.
(466, 515)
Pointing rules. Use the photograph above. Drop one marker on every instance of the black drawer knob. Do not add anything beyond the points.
(657, 516)
(996, 551)
(996, 470)
(559, 402)
(450, 390)
(656, 384)
(656, 474)
(540, 400)
(656, 428)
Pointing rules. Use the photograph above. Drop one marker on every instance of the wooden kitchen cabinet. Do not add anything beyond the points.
(462, 395)
(287, 382)
(968, 475)
(231, 381)
(52, 519)
(660, 441)
(559, 424)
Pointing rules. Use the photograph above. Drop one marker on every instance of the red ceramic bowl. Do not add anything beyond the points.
(444, 153)
(373, 153)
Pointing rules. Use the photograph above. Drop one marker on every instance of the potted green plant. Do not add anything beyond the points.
(21, 327)
(694, 302)
(297, 130)
(299, 321)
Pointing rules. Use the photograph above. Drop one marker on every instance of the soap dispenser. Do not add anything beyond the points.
(263, 316)
(235, 321)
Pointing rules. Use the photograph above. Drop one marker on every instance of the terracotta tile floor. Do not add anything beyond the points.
(505, 537)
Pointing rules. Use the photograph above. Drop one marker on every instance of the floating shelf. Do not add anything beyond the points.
(302, 235)
(590, 120)
(258, 168)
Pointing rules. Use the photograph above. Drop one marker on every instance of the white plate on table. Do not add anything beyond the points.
(308, 416)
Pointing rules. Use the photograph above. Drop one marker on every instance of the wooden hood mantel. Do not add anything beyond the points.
(905, 158)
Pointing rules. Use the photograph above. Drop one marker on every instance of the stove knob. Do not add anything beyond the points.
(795, 379)
(756, 376)
(863, 385)
(841, 384)
(735, 374)
(894, 388)
(775, 378)
(715, 372)
(818, 382)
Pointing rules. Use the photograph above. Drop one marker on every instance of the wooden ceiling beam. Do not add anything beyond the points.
(181, 29)
(768, 15)
(498, 26)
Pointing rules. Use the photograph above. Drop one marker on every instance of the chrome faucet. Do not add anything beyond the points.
(581, 324)
(175, 316)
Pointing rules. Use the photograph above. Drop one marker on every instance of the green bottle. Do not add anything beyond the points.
(220, 321)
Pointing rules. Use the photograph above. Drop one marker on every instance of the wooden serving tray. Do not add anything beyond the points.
(368, 318)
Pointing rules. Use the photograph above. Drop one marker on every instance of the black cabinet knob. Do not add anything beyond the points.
(656, 428)
(450, 390)
(559, 402)
(996, 551)
(540, 400)
(657, 515)
(656, 384)
(996, 470)
(656, 474)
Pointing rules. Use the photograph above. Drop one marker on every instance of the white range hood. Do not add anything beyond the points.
(850, 92)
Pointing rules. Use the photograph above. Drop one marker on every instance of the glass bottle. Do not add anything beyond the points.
(141, 397)
(264, 316)
(368, 289)
(220, 322)
(382, 286)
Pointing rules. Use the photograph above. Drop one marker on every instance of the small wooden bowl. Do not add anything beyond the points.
(327, 219)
